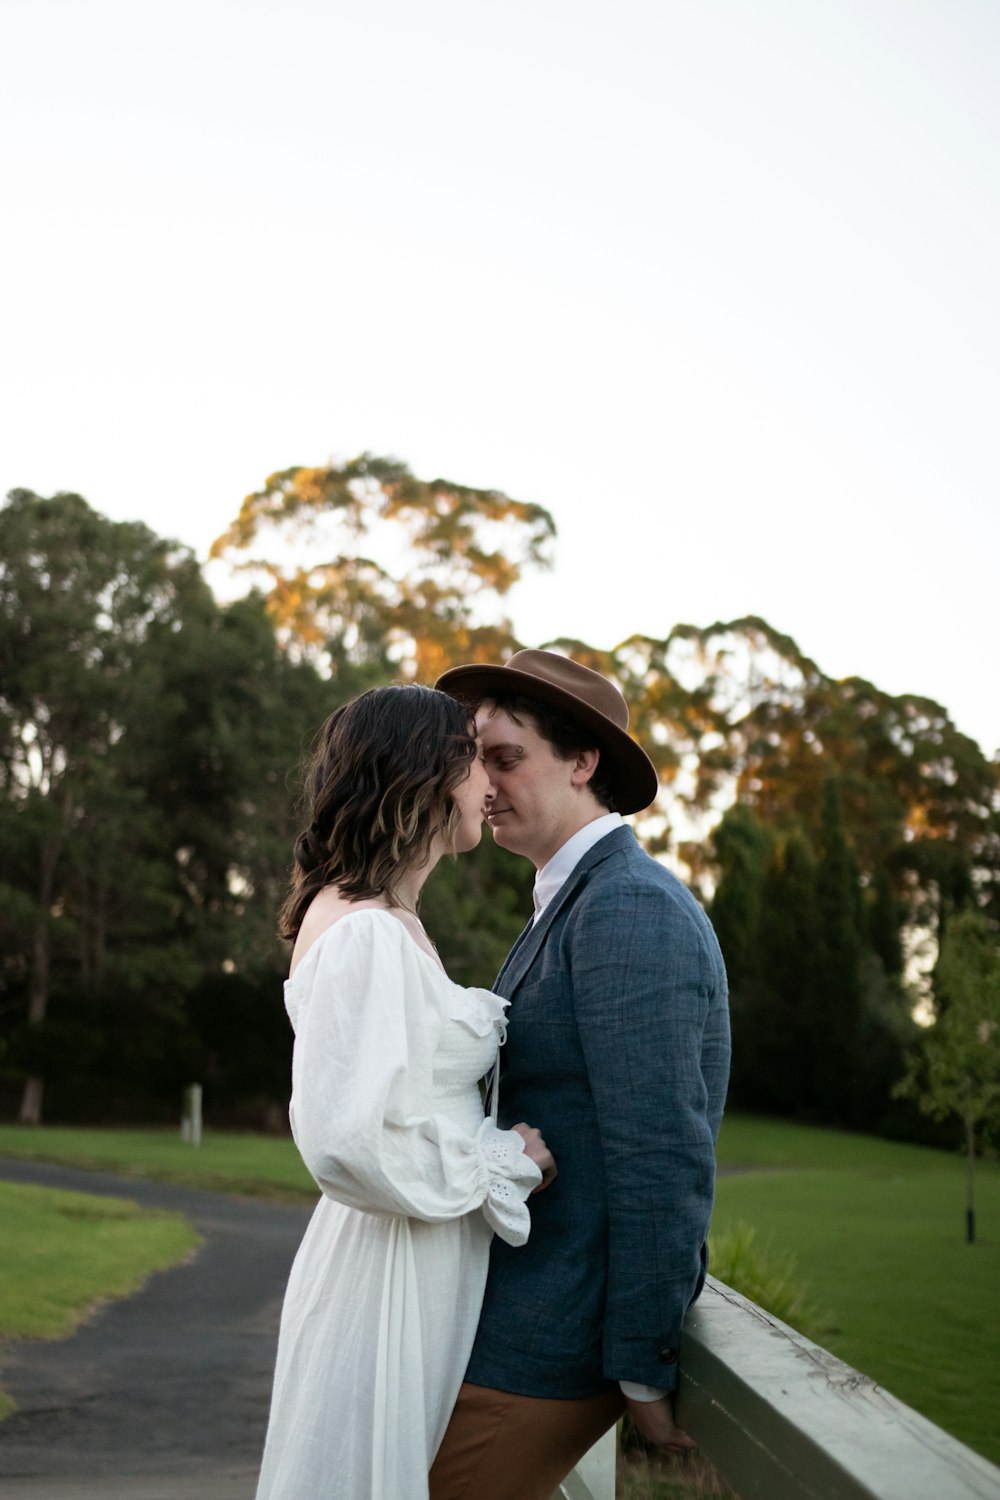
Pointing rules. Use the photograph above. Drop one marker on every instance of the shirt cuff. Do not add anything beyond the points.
(636, 1392)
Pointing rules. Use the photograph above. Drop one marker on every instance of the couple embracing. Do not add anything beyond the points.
(484, 1289)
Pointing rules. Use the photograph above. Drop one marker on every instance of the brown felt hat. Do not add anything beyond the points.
(582, 695)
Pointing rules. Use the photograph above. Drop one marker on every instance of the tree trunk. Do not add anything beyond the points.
(100, 932)
(30, 1112)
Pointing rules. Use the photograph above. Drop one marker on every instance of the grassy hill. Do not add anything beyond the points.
(877, 1229)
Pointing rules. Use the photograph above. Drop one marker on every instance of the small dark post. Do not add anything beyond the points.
(970, 1164)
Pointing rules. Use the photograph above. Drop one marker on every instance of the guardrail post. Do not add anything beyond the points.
(594, 1476)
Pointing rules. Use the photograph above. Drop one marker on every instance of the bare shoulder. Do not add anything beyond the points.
(327, 907)
(330, 906)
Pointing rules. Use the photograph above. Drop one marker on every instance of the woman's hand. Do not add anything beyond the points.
(539, 1153)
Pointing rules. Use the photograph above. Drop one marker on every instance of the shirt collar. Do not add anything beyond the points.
(554, 875)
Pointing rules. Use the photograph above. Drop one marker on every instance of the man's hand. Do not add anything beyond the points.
(655, 1421)
(536, 1149)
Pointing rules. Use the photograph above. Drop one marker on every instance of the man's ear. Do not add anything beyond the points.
(584, 766)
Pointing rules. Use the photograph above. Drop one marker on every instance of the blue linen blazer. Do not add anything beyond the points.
(618, 1049)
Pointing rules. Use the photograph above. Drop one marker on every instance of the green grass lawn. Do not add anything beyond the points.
(62, 1253)
(878, 1233)
(264, 1166)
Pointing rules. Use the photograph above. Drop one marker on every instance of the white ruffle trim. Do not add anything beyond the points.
(512, 1176)
(479, 1011)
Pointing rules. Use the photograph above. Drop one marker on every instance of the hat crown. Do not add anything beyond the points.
(582, 695)
(577, 680)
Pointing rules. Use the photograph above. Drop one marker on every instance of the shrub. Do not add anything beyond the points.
(766, 1276)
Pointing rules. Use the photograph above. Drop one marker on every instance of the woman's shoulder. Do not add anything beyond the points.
(329, 919)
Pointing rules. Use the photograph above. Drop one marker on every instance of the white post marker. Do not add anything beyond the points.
(191, 1118)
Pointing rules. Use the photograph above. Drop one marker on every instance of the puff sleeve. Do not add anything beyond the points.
(367, 1017)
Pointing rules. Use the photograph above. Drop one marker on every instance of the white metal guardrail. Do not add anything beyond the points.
(783, 1419)
(594, 1476)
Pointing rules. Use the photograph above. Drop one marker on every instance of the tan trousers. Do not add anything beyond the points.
(504, 1447)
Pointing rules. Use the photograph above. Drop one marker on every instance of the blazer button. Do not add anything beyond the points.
(668, 1356)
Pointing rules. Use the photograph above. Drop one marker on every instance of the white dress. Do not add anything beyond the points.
(386, 1289)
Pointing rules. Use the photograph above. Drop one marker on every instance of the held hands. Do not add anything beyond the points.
(536, 1149)
(655, 1421)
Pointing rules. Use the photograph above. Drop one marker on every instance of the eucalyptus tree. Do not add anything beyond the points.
(955, 1070)
(377, 573)
(736, 711)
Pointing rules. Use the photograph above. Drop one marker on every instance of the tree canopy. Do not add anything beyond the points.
(441, 553)
(144, 738)
(150, 740)
(735, 712)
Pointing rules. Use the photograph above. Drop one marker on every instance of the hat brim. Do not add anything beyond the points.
(633, 776)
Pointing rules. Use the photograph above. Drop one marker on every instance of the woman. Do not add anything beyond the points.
(385, 1292)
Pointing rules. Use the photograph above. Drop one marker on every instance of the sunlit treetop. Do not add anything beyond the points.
(362, 559)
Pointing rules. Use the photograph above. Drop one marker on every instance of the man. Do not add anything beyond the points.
(619, 1048)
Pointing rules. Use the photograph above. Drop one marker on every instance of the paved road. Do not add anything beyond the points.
(163, 1396)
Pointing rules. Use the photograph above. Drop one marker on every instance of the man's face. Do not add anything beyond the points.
(536, 806)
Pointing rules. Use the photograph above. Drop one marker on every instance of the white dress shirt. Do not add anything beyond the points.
(548, 883)
(552, 877)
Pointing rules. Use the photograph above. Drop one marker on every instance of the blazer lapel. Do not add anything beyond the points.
(508, 961)
(524, 951)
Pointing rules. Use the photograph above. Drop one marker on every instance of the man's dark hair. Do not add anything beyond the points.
(566, 736)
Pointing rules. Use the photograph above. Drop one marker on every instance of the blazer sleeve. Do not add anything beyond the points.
(651, 1007)
(363, 1112)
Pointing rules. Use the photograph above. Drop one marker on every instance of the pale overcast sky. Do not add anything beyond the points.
(716, 283)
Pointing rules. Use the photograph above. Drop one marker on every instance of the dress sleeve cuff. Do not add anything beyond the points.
(512, 1177)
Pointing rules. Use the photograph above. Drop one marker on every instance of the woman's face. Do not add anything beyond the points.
(472, 797)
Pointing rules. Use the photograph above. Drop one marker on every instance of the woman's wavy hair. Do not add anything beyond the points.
(377, 791)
